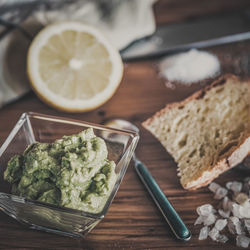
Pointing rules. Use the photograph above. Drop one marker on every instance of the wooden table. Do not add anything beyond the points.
(133, 221)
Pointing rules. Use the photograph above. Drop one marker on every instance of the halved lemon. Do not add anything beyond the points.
(72, 67)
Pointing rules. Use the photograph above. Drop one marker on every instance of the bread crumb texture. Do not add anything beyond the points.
(208, 132)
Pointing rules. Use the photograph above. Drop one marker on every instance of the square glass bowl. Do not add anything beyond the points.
(34, 127)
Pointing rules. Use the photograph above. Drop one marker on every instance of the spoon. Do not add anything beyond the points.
(171, 216)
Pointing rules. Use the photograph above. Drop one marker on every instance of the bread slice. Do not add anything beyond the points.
(207, 133)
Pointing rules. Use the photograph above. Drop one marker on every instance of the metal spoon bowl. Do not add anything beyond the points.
(171, 216)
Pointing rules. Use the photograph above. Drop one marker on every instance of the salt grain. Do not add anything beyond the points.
(213, 187)
(220, 224)
(236, 210)
(229, 185)
(239, 228)
(213, 234)
(222, 238)
(220, 193)
(230, 205)
(231, 227)
(244, 209)
(231, 224)
(224, 214)
(205, 210)
(236, 186)
(204, 233)
(241, 198)
(247, 224)
(225, 203)
(234, 226)
(210, 219)
(191, 66)
(199, 220)
(242, 241)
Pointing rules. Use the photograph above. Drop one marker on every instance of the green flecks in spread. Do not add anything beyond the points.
(72, 172)
(14, 171)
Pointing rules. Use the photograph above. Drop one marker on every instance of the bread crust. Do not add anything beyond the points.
(197, 95)
(230, 158)
(233, 158)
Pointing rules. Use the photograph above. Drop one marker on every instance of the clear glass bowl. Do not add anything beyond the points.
(32, 127)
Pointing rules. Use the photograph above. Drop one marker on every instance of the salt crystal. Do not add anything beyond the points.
(241, 198)
(239, 229)
(234, 226)
(236, 186)
(213, 187)
(224, 214)
(220, 193)
(204, 233)
(244, 209)
(199, 220)
(222, 238)
(231, 227)
(225, 203)
(242, 241)
(230, 205)
(237, 223)
(205, 209)
(235, 220)
(229, 185)
(213, 234)
(247, 224)
(220, 224)
(236, 210)
(210, 219)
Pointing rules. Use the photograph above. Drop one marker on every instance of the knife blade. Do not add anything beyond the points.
(198, 33)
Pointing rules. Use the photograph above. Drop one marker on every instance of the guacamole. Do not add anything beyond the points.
(73, 172)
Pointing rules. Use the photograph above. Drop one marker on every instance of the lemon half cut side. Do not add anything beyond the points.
(72, 67)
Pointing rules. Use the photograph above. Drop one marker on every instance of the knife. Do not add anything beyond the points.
(197, 33)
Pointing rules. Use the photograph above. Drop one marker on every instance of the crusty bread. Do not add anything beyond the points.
(207, 133)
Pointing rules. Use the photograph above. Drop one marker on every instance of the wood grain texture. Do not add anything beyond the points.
(170, 11)
(133, 221)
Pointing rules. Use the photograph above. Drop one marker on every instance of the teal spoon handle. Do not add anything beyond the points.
(173, 219)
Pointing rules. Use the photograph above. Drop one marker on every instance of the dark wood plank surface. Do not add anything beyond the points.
(133, 221)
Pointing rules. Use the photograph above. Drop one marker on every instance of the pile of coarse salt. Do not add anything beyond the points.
(233, 213)
(190, 67)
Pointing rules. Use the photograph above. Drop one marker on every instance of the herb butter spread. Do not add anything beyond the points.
(73, 172)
